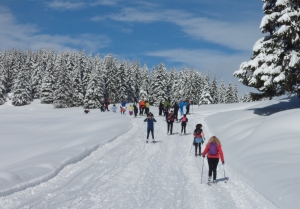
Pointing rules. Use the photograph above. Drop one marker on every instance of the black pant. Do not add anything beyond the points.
(213, 164)
(146, 110)
(183, 127)
(160, 111)
(196, 146)
(152, 133)
(142, 111)
(135, 112)
(170, 126)
(187, 109)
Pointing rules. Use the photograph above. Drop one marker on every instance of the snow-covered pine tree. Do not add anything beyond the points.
(275, 65)
(174, 86)
(22, 88)
(186, 84)
(159, 85)
(87, 73)
(229, 97)
(62, 97)
(77, 97)
(197, 87)
(144, 89)
(205, 97)
(222, 92)
(48, 84)
(37, 76)
(214, 91)
(111, 83)
(235, 93)
(134, 81)
(121, 84)
(95, 91)
(2, 98)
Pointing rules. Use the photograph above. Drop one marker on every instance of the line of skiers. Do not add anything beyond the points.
(213, 149)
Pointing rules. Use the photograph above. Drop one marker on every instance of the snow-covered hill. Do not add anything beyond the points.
(63, 158)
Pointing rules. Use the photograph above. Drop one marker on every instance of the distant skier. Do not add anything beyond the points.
(147, 107)
(176, 108)
(183, 120)
(150, 126)
(86, 111)
(181, 105)
(142, 106)
(160, 108)
(188, 103)
(114, 108)
(102, 109)
(166, 112)
(198, 138)
(170, 122)
(130, 110)
(135, 109)
(214, 150)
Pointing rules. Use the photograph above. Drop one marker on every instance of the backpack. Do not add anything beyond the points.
(184, 119)
(213, 149)
(171, 117)
(198, 133)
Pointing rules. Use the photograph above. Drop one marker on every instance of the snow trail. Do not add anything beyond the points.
(128, 173)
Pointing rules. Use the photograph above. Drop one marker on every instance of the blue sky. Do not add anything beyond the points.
(205, 35)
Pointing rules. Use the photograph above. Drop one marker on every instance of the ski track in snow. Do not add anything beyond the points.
(128, 173)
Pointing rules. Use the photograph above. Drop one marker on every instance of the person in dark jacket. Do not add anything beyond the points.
(183, 120)
(170, 122)
(150, 126)
(161, 108)
(176, 108)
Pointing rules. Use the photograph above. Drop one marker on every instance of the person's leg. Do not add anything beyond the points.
(215, 162)
(196, 146)
(210, 166)
(148, 131)
(152, 133)
(168, 126)
(184, 127)
(171, 127)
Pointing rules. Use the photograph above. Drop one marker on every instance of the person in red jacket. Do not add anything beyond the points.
(214, 151)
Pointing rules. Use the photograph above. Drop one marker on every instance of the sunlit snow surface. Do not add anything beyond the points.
(46, 160)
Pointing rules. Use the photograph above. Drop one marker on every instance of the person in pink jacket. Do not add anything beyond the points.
(214, 152)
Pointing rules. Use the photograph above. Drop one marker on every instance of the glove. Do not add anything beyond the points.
(223, 162)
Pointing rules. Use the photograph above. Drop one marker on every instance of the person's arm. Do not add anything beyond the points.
(146, 120)
(154, 120)
(221, 154)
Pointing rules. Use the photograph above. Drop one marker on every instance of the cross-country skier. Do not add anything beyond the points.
(114, 108)
(176, 108)
(214, 150)
(135, 109)
(170, 122)
(198, 138)
(183, 120)
(181, 105)
(161, 108)
(150, 126)
(86, 111)
(130, 110)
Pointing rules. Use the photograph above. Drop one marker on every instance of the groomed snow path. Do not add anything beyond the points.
(128, 173)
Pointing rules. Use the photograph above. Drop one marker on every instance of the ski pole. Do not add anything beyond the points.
(202, 170)
(224, 174)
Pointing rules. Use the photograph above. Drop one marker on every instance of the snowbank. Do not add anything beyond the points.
(40, 140)
(262, 143)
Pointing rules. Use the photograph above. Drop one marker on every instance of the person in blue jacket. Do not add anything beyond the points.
(150, 126)
(123, 103)
(181, 105)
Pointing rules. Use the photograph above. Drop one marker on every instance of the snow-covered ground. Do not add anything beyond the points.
(63, 158)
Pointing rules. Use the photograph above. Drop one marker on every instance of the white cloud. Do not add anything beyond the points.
(235, 35)
(28, 36)
(66, 5)
(104, 2)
